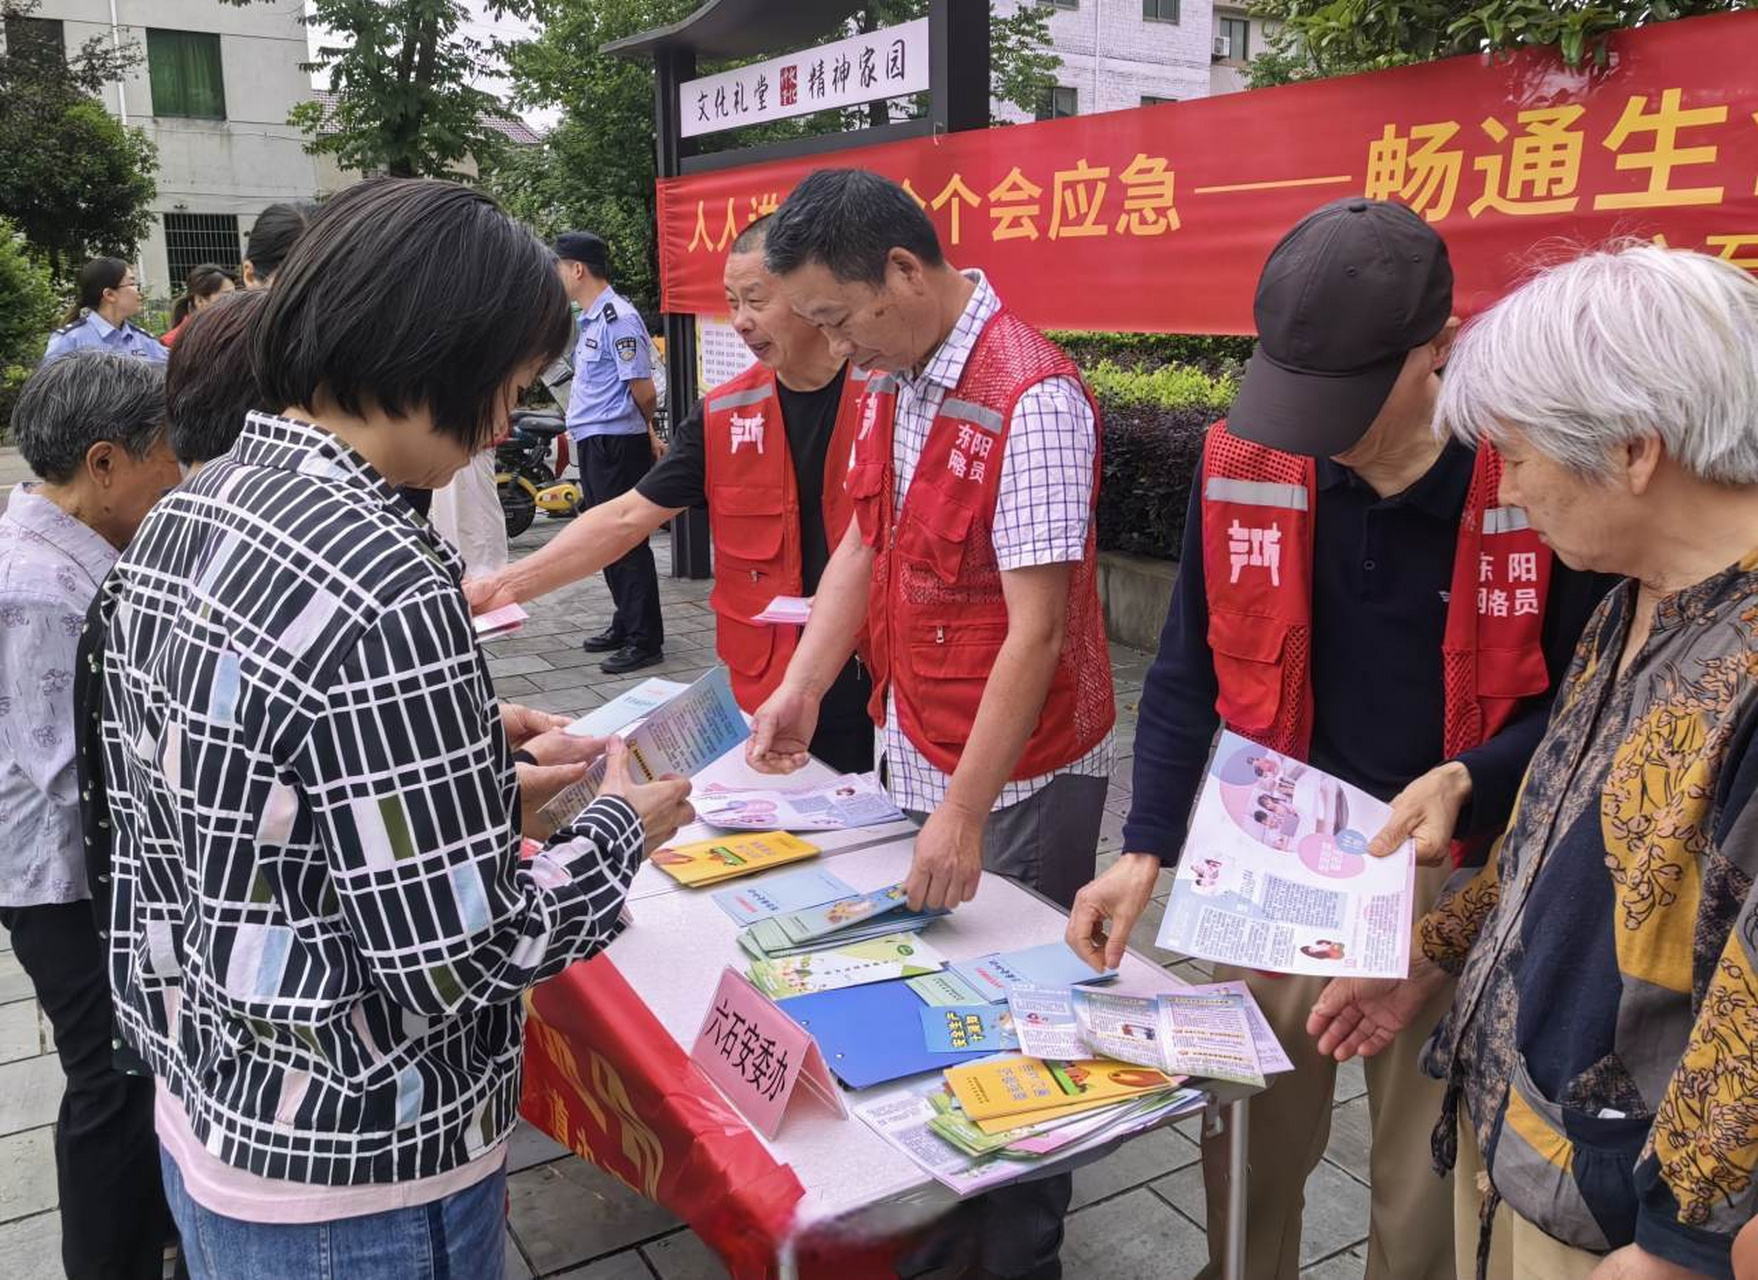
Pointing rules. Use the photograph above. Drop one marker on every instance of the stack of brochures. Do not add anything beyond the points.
(932, 1125)
(855, 919)
(853, 964)
(1000, 1095)
(716, 861)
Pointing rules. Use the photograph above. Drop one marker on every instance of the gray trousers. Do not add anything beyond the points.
(1048, 842)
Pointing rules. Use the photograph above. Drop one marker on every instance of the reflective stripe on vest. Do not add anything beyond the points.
(1505, 520)
(739, 399)
(1257, 493)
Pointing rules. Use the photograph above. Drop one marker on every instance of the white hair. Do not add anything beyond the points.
(1617, 345)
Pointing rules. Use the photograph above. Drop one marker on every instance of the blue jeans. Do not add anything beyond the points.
(462, 1237)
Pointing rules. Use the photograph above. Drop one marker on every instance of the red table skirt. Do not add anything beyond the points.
(605, 1079)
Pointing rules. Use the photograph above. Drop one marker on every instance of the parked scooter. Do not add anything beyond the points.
(527, 462)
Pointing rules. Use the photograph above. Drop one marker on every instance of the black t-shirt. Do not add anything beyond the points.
(680, 479)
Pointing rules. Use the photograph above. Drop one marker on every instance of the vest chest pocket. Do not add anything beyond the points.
(1247, 649)
(747, 523)
(936, 527)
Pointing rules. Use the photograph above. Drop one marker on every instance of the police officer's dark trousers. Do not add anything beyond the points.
(609, 467)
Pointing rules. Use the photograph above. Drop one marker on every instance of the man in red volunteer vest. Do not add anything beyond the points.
(766, 452)
(971, 565)
(1352, 594)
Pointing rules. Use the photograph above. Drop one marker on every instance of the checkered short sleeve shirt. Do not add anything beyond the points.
(321, 927)
(1043, 511)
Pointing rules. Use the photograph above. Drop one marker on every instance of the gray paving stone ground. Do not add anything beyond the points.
(1137, 1216)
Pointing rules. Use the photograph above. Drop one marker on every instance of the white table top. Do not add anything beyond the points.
(843, 1165)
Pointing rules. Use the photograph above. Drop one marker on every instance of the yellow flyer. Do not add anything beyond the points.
(712, 861)
(1015, 1088)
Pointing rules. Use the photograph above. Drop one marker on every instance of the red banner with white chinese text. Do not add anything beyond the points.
(1159, 219)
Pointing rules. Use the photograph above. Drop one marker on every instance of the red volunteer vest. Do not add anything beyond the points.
(1257, 511)
(754, 520)
(935, 613)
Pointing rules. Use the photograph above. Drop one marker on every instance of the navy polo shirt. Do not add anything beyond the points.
(1382, 573)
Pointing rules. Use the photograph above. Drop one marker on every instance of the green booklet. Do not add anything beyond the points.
(897, 955)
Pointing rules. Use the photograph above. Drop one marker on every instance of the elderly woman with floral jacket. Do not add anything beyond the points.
(1602, 1099)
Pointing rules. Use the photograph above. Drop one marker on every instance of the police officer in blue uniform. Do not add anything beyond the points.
(610, 420)
(109, 296)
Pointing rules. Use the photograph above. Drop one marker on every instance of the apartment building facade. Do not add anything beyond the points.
(212, 90)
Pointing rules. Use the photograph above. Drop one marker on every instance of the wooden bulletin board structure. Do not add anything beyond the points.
(740, 30)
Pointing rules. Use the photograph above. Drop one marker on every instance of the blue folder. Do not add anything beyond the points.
(871, 1034)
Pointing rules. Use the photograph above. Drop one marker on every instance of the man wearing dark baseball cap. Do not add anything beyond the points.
(1351, 595)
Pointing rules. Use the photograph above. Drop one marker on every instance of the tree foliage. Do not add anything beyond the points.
(72, 179)
(1339, 37)
(28, 306)
(403, 76)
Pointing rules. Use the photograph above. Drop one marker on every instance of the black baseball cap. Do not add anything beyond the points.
(1345, 297)
(583, 246)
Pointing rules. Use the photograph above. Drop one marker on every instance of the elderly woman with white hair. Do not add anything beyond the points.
(1604, 1036)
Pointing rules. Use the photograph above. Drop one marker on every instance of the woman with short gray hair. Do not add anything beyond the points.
(91, 426)
(1602, 1036)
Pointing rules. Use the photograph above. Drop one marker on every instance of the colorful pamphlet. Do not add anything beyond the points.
(898, 955)
(961, 1028)
(711, 861)
(1276, 874)
(852, 800)
(778, 895)
(684, 736)
(945, 988)
(1017, 1090)
(1180, 1032)
(1050, 965)
(787, 611)
(627, 708)
(499, 622)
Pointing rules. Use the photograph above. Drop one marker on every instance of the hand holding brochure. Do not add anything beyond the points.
(685, 736)
(1276, 873)
(499, 622)
(853, 800)
(627, 708)
(1050, 965)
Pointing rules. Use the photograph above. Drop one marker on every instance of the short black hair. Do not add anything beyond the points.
(751, 238)
(848, 220)
(209, 381)
(276, 230)
(588, 248)
(411, 293)
(70, 404)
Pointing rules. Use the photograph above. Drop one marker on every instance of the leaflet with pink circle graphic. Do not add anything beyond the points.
(1276, 875)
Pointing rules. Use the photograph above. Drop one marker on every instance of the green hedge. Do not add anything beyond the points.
(1213, 354)
(1154, 424)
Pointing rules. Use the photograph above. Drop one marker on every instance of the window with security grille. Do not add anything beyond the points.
(194, 238)
(184, 68)
(1058, 101)
(1238, 34)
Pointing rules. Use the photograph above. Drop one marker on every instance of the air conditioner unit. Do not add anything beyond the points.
(1223, 46)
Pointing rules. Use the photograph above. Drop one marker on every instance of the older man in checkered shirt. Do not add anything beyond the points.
(971, 566)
